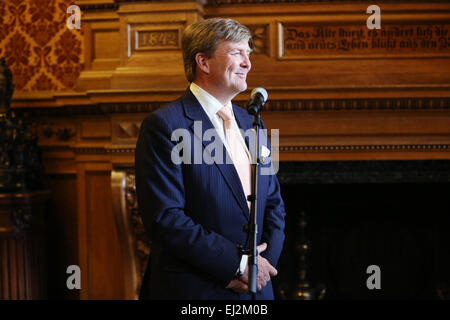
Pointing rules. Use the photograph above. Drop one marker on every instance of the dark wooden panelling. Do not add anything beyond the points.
(62, 234)
(329, 109)
(105, 277)
(23, 262)
(13, 284)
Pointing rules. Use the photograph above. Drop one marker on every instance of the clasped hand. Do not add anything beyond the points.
(265, 272)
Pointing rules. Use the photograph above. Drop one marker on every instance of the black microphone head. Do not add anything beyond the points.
(262, 91)
(258, 97)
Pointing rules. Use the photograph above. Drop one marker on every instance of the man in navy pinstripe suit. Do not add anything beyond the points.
(195, 212)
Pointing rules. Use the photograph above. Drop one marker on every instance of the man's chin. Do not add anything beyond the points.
(242, 87)
(239, 88)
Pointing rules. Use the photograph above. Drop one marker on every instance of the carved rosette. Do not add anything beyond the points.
(259, 38)
(141, 240)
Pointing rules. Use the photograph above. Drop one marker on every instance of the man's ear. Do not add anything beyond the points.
(202, 62)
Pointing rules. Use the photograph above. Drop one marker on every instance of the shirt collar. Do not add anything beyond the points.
(209, 103)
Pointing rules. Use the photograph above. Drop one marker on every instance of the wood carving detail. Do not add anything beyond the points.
(141, 240)
(359, 104)
(357, 41)
(259, 39)
(271, 105)
(61, 133)
(393, 148)
(128, 130)
(157, 39)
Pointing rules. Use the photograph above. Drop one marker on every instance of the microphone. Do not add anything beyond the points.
(258, 97)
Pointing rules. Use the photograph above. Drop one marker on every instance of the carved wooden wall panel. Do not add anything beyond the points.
(23, 262)
(100, 256)
(328, 45)
(393, 41)
(136, 45)
(343, 97)
(62, 232)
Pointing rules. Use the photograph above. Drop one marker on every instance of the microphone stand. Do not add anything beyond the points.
(253, 198)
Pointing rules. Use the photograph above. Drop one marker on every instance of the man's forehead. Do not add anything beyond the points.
(242, 45)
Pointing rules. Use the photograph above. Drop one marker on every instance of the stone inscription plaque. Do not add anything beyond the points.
(316, 42)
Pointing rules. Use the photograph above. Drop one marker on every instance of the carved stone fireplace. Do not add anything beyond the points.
(393, 214)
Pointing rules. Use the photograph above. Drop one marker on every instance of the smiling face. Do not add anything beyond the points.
(226, 70)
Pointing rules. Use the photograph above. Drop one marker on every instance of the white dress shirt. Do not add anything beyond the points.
(211, 106)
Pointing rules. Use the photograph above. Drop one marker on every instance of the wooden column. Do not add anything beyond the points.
(136, 45)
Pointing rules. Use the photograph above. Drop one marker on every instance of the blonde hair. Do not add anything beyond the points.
(205, 35)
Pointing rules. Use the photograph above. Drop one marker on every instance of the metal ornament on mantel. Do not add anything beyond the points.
(302, 289)
(20, 158)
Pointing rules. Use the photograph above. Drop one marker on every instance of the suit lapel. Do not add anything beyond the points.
(194, 111)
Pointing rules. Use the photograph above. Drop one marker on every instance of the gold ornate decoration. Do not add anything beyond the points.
(42, 52)
(135, 244)
(141, 240)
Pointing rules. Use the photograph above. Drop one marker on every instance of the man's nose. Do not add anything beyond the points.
(246, 62)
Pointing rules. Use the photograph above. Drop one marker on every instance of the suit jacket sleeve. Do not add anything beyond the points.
(161, 200)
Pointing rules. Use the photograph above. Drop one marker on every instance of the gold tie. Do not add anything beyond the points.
(240, 158)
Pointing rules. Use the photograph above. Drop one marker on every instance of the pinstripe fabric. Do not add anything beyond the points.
(194, 213)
